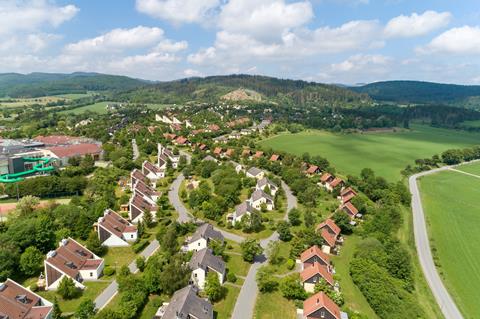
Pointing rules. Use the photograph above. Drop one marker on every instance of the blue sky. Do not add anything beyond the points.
(333, 41)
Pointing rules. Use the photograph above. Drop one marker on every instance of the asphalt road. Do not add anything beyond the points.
(107, 295)
(443, 298)
(245, 304)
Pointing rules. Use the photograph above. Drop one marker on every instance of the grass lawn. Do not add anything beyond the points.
(119, 256)
(453, 217)
(386, 153)
(471, 123)
(224, 308)
(91, 291)
(237, 266)
(354, 299)
(473, 168)
(99, 108)
(274, 306)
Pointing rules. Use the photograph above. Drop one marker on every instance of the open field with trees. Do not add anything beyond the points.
(387, 152)
(450, 203)
(99, 107)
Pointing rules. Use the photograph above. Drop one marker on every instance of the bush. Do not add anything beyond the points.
(34, 287)
(140, 245)
(140, 261)
(231, 277)
(108, 271)
(290, 264)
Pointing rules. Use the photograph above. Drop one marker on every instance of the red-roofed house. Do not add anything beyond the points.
(330, 233)
(347, 194)
(350, 209)
(181, 140)
(213, 128)
(65, 152)
(337, 182)
(312, 274)
(326, 178)
(74, 261)
(313, 169)
(53, 140)
(137, 175)
(275, 157)
(169, 136)
(258, 154)
(17, 302)
(314, 255)
(152, 172)
(217, 151)
(114, 230)
(138, 205)
(246, 152)
(320, 306)
(229, 152)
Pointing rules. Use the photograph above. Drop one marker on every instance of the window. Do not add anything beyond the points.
(91, 274)
(131, 236)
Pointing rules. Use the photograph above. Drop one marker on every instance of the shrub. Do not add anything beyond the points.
(231, 277)
(290, 264)
(34, 287)
(108, 271)
(140, 261)
(140, 245)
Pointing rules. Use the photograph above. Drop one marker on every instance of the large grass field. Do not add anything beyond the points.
(450, 201)
(386, 153)
(99, 108)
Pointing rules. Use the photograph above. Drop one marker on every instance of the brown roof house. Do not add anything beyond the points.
(144, 199)
(203, 236)
(314, 255)
(164, 154)
(330, 233)
(137, 175)
(275, 157)
(320, 306)
(152, 172)
(64, 152)
(312, 274)
(313, 169)
(350, 209)
(17, 302)
(203, 262)
(74, 261)
(115, 231)
(347, 194)
(185, 304)
(336, 182)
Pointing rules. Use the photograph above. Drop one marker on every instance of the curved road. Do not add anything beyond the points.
(245, 304)
(443, 298)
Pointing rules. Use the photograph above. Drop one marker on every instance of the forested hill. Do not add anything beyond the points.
(213, 88)
(43, 84)
(422, 92)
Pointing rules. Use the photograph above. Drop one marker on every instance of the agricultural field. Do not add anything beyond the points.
(386, 152)
(100, 108)
(453, 216)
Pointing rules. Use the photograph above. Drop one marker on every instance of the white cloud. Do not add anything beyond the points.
(32, 14)
(191, 73)
(264, 19)
(361, 62)
(178, 11)
(117, 39)
(171, 46)
(416, 24)
(202, 56)
(462, 40)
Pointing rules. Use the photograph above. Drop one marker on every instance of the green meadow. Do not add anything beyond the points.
(453, 217)
(387, 153)
(99, 108)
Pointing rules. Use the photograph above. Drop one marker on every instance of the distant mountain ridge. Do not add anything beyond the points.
(37, 84)
(422, 92)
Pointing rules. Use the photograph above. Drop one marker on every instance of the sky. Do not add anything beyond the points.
(330, 41)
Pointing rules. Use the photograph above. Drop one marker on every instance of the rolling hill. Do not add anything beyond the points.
(423, 93)
(31, 85)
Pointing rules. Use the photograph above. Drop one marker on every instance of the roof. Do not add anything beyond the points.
(347, 194)
(151, 167)
(185, 303)
(75, 150)
(317, 269)
(243, 208)
(314, 251)
(138, 175)
(214, 127)
(141, 203)
(254, 171)
(265, 181)
(328, 237)
(258, 154)
(217, 150)
(56, 139)
(169, 136)
(246, 152)
(312, 169)
(229, 152)
(318, 301)
(351, 209)
(141, 187)
(325, 177)
(181, 140)
(209, 158)
(330, 224)
(208, 232)
(274, 157)
(70, 257)
(115, 223)
(205, 259)
(258, 194)
(337, 181)
(17, 302)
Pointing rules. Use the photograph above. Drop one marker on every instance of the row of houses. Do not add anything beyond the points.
(186, 303)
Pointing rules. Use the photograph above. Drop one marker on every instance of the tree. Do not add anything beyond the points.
(56, 311)
(265, 280)
(213, 288)
(308, 219)
(250, 249)
(31, 261)
(294, 217)
(86, 309)
(9, 259)
(273, 253)
(147, 218)
(283, 229)
(342, 220)
(27, 204)
(67, 288)
(94, 245)
(140, 262)
(292, 288)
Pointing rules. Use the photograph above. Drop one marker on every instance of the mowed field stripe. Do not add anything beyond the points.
(462, 172)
